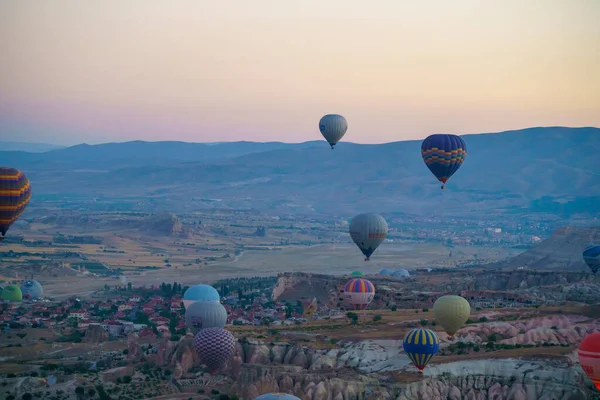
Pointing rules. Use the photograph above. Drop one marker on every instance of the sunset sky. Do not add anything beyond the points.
(203, 71)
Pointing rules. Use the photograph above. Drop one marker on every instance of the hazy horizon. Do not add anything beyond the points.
(197, 71)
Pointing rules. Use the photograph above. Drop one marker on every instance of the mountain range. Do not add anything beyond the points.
(552, 167)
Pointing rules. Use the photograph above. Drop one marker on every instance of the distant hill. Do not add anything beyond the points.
(531, 169)
(28, 147)
(562, 250)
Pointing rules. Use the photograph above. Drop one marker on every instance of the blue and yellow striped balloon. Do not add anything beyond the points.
(421, 345)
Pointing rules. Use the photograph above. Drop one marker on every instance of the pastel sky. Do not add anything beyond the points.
(95, 71)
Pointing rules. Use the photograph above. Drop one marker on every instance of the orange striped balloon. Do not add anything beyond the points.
(15, 192)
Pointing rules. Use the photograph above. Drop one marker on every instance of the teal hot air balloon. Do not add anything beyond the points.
(591, 256)
(333, 127)
(205, 314)
(443, 155)
(421, 345)
(276, 396)
(200, 293)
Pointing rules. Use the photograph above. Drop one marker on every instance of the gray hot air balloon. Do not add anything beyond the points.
(205, 314)
(32, 289)
(333, 127)
(368, 231)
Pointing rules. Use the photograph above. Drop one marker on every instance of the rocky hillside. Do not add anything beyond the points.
(379, 369)
(561, 251)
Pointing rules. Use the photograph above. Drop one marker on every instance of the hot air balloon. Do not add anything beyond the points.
(11, 293)
(421, 345)
(276, 396)
(386, 272)
(591, 256)
(357, 274)
(200, 293)
(451, 312)
(443, 155)
(359, 293)
(589, 357)
(333, 127)
(368, 231)
(214, 346)
(32, 289)
(401, 273)
(205, 314)
(15, 192)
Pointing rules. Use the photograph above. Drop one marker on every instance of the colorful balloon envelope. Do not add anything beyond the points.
(333, 127)
(276, 396)
(368, 231)
(421, 345)
(589, 357)
(205, 314)
(359, 293)
(451, 312)
(443, 155)
(214, 347)
(15, 192)
(591, 256)
(200, 293)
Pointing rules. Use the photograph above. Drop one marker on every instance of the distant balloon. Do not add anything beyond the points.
(32, 289)
(451, 312)
(333, 127)
(589, 357)
(421, 345)
(200, 293)
(368, 231)
(214, 347)
(386, 272)
(443, 155)
(359, 293)
(401, 273)
(205, 314)
(11, 293)
(357, 274)
(276, 396)
(591, 256)
(15, 192)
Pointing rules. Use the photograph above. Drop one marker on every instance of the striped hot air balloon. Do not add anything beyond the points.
(421, 345)
(443, 155)
(589, 357)
(451, 312)
(15, 192)
(359, 293)
(214, 346)
(333, 127)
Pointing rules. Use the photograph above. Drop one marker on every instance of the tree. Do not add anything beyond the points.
(352, 316)
(27, 396)
(79, 391)
(376, 317)
(129, 286)
(91, 392)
